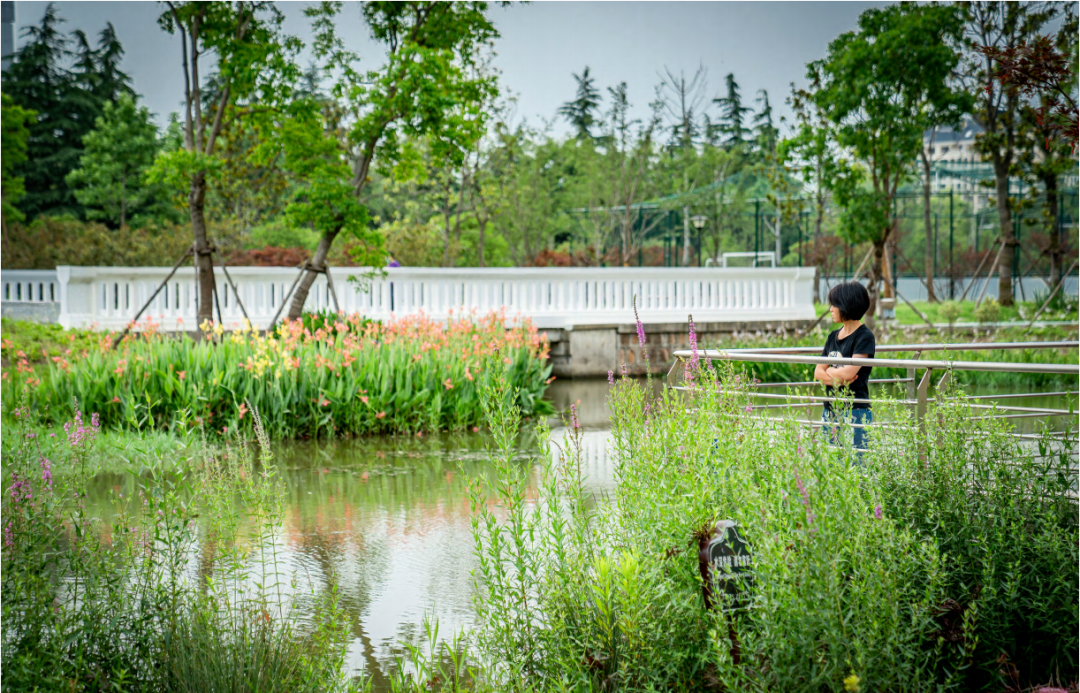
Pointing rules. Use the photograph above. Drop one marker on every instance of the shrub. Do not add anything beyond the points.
(949, 311)
(48, 242)
(895, 575)
(988, 311)
(348, 378)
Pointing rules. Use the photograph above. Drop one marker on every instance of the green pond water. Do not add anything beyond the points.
(389, 517)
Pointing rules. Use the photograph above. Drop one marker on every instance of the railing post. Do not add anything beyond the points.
(911, 374)
(920, 411)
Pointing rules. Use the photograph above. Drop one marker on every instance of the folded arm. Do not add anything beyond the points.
(836, 376)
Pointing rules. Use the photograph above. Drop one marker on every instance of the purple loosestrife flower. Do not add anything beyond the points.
(691, 367)
(805, 499)
(640, 327)
(877, 512)
(611, 378)
(46, 472)
(573, 416)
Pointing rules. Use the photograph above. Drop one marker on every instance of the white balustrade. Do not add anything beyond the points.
(29, 286)
(109, 297)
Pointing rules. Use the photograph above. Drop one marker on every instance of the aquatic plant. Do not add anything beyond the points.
(349, 377)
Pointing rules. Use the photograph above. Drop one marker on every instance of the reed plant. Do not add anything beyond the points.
(349, 377)
(180, 591)
(943, 559)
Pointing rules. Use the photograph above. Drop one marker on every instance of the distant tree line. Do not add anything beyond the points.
(425, 159)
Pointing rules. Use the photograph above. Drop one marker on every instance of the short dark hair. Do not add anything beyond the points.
(851, 298)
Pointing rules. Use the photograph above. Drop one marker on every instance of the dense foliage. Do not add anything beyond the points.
(451, 176)
(940, 560)
(345, 377)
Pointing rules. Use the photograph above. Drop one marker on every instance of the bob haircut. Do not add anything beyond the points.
(851, 299)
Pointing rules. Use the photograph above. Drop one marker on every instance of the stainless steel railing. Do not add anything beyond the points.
(918, 388)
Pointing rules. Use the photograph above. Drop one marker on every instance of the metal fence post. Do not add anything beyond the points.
(920, 411)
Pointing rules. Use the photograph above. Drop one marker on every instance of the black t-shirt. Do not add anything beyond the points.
(861, 341)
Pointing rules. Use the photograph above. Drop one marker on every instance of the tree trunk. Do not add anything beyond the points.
(818, 222)
(318, 261)
(875, 278)
(930, 296)
(1008, 237)
(482, 223)
(204, 261)
(1056, 256)
(686, 237)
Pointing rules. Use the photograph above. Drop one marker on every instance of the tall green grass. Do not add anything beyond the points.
(153, 600)
(949, 570)
(349, 377)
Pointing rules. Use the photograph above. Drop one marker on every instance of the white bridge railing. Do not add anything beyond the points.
(29, 286)
(109, 297)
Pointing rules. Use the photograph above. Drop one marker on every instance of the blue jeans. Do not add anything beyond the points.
(857, 416)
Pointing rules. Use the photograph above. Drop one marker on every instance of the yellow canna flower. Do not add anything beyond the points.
(851, 683)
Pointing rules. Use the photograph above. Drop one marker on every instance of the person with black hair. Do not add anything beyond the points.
(848, 302)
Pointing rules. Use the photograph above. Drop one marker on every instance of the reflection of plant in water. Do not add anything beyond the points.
(101, 606)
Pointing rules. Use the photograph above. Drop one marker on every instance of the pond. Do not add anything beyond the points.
(389, 517)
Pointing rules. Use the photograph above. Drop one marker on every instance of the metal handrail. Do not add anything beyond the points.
(973, 346)
(918, 394)
(1061, 369)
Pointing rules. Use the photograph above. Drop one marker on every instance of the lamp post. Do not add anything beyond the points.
(699, 221)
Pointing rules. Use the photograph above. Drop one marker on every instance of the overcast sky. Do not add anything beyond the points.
(765, 44)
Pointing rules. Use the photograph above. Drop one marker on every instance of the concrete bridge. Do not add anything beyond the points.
(587, 312)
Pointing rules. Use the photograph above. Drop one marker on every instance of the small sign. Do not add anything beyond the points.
(728, 565)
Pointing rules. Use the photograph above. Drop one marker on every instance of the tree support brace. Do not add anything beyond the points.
(120, 337)
(307, 267)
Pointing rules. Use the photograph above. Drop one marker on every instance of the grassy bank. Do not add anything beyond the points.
(348, 378)
(1062, 308)
(956, 571)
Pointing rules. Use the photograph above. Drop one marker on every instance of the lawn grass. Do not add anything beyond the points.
(1019, 312)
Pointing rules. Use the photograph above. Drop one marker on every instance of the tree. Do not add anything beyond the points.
(253, 60)
(1043, 69)
(996, 26)
(109, 182)
(765, 131)
(582, 111)
(1046, 146)
(940, 104)
(810, 149)
(732, 114)
(37, 80)
(875, 103)
(15, 120)
(427, 88)
(681, 100)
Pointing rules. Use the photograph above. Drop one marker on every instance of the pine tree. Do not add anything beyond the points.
(110, 181)
(37, 81)
(581, 112)
(764, 131)
(67, 102)
(732, 113)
